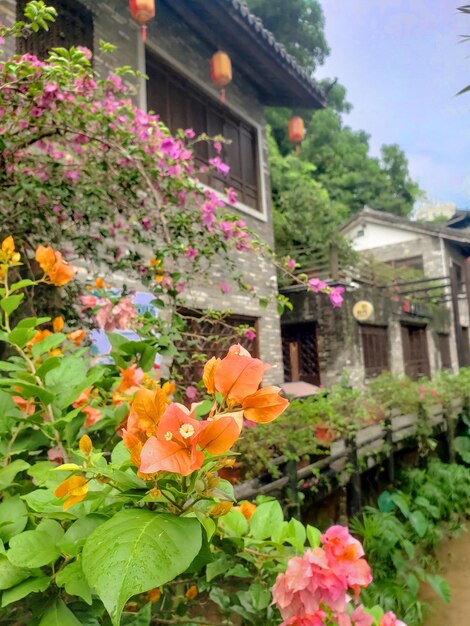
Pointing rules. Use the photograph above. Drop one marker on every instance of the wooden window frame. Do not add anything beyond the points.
(408, 361)
(417, 263)
(299, 370)
(164, 62)
(375, 362)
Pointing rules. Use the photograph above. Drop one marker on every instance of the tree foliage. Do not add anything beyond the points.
(298, 25)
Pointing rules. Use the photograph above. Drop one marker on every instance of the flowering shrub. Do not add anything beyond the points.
(113, 501)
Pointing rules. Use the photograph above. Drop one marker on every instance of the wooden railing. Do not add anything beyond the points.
(349, 458)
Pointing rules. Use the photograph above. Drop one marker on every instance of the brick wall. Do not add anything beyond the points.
(169, 37)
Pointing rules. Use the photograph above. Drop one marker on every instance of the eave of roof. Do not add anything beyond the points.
(277, 77)
(380, 217)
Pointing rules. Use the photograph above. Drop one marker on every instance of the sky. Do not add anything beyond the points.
(402, 64)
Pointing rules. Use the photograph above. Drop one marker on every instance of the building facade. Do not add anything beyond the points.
(176, 56)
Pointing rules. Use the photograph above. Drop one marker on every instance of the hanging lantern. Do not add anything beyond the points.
(142, 11)
(296, 131)
(221, 72)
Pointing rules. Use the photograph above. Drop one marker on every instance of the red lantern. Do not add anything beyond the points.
(296, 131)
(142, 11)
(221, 72)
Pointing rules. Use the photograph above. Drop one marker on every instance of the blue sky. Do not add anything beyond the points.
(402, 63)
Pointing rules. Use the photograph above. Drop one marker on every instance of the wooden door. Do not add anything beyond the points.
(300, 353)
(415, 351)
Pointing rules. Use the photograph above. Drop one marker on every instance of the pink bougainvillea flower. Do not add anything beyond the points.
(317, 285)
(55, 455)
(219, 165)
(390, 619)
(315, 619)
(250, 335)
(336, 297)
(231, 195)
(291, 263)
(88, 301)
(191, 393)
(360, 618)
(224, 287)
(191, 253)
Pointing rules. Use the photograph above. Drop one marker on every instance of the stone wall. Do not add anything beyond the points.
(339, 336)
(171, 39)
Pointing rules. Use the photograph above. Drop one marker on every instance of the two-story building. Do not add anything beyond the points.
(176, 57)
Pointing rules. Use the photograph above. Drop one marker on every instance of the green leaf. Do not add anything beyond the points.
(32, 548)
(462, 446)
(31, 585)
(266, 520)
(59, 615)
(240, 571)
(313, 536)
(11, 303)
(71, 578)
(52, 528)
(8, 473)
(49, 343)
(440, 586)
(135, 551)
(296, 535)
(260, 596)
(385, 502)
(218, 567)
(13, 517)
(402, 504)
(22, 284)
(419, 523)
(75, 537)
(10, 575)
(234, 524)
(20, 336)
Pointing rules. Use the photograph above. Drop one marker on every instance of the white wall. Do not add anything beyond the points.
(368, 236)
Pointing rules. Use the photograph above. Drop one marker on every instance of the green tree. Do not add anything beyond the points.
(298, 25)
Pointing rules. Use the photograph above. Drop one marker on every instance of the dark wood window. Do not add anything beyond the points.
(459, 278)
(182, 105)
(409, 263)
(444, 350)
(375, 349)
(465, 347)
(73, 27)
(415, 351)
(300, 353)
(205, 338)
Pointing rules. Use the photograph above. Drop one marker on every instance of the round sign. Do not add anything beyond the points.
(363, 310)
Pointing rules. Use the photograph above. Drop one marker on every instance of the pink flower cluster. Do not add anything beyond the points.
(335, 294)
(317, 586)
(111, 316)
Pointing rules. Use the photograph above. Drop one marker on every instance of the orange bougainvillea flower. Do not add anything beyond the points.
(247, 509)
(131, 377)
(264, 405)
(8, 255)
(93, 415)
(174, 448)
(39, 336)
(75, 488)
(57, 271)
(82, 398)
(28, 407)
(219, 434)
(236, 376)
(147, 409)
(57, 324)
(192, 592)
(220, 509)
(181, 440)
(77, 337)
(85, 445)
(154, 595)
(99, 282)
